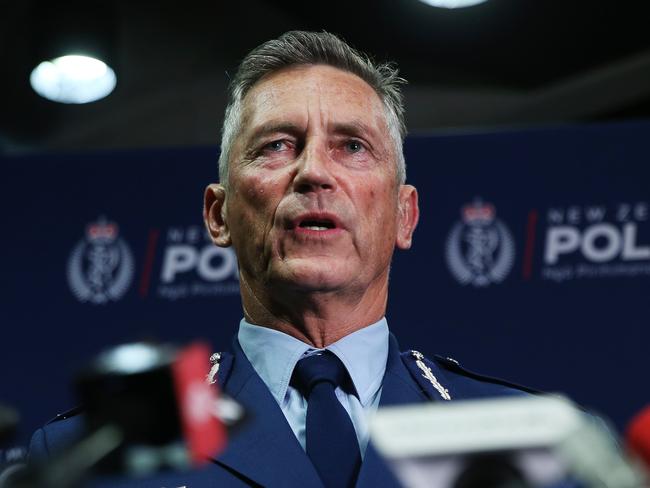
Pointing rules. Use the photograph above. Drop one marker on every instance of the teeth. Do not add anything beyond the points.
(315, 227)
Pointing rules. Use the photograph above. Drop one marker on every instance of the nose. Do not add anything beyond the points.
(314, 170)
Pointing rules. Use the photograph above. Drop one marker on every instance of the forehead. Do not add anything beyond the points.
(301, 93)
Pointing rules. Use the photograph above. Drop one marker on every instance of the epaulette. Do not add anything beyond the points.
(220, 368)
(427, 375)
(455, 367)
(439, 378)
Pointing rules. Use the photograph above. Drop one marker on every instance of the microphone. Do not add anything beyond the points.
(11, 457)
(8, 423)
(638, 437)
(513, 442)
(158, 399)
(146, 408)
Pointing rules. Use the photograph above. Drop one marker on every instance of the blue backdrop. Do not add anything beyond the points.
(531, 262)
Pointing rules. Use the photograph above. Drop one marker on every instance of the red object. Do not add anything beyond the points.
(638, 436)
(148, 262)
(205, 435)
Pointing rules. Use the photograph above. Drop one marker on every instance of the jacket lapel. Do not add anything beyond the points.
(264, 449)
(375, 472)
(398, 389)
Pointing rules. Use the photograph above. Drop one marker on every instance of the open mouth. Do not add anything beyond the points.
(317, 224)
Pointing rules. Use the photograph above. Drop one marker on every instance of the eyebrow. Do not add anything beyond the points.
(273, 127)
(354, 128)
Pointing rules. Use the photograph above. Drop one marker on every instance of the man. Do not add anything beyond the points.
(312, 197)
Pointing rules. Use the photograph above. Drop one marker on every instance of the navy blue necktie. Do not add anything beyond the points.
(332, 442)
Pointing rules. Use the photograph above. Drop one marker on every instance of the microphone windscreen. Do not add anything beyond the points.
(204, 433)
(638, 436)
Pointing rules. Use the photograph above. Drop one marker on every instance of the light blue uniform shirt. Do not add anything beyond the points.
(364, 353)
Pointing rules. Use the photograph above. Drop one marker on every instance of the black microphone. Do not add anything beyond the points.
(11, 457)
(146, 408)
(8, 423)
(491, 470)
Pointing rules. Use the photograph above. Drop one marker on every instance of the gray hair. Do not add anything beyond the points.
(296, 48)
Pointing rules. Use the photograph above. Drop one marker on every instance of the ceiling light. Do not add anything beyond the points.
(452, 3)
(73, 79)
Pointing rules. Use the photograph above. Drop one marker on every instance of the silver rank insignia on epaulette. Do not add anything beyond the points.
(212, 375)
(428, 374)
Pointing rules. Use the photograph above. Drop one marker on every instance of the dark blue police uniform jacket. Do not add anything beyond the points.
(265, 451)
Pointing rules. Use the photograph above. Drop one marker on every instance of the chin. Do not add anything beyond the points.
(315, 276)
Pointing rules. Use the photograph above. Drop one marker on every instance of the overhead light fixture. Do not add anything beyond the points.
(73, 79)
(74, 50)
(452, 3)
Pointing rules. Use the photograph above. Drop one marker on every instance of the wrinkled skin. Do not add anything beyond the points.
(313, 207)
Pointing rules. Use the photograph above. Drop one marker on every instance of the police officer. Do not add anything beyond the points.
(312, 196)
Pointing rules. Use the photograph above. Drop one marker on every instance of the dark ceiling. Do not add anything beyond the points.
(501, 63)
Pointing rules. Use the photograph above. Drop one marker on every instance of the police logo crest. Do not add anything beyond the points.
(100, 267)
(479, 249)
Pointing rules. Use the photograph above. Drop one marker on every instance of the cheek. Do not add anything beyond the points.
(254, 190)
(254, 193)
(382, 206)
(254, 203)
(380, 199)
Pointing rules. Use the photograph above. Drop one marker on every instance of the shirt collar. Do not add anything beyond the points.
(274, 354)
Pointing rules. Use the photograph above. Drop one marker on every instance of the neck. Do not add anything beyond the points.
(317, 318)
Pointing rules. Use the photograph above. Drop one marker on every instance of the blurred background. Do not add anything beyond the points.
(528, 142)
(499, 63)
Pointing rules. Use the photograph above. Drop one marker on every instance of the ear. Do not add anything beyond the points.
(408, 214)
(214, 215)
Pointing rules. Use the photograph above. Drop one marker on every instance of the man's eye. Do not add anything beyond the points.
(275, 146)
(354, 146)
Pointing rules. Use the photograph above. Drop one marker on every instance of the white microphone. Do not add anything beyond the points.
(523, 441)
